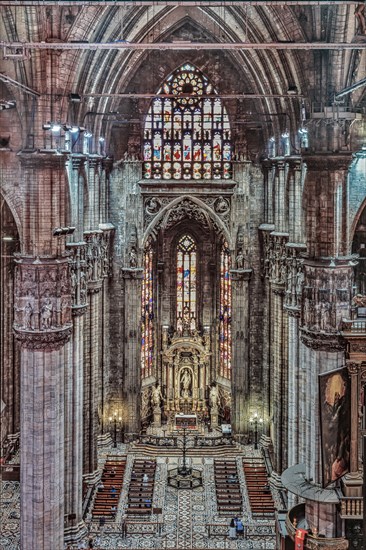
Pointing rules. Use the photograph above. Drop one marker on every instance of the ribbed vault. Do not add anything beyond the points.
(122, 71)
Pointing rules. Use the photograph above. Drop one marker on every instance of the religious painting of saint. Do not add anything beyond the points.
(335, 423)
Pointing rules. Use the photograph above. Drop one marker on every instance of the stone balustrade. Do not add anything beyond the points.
(351, 508)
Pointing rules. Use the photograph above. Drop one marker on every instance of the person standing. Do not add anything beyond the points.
(239, 528)
(232, 530)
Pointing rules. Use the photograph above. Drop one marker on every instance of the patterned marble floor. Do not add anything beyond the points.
(189, 518)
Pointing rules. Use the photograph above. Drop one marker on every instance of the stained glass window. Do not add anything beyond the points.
(187, 130)
(225, 312)
(186, 285)
(147, 314)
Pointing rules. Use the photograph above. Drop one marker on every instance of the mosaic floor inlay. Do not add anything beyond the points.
(189, 518)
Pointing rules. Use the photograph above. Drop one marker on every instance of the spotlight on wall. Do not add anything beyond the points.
(88, 134)
(101, 139)
(53, 126)
(7, 104)
(62, 231)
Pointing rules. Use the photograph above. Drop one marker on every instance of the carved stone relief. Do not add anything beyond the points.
(221, 206)
(42, 304)
(97, 258)
(326, 298)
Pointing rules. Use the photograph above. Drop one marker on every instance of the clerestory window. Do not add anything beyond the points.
(187, 130)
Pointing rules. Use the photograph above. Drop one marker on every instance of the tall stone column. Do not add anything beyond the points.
(280, 200)
(42, 324)
(92, 360)
(326, 297)
(295, 188)
(292, 305)
(74, 525)
(279, 378)
(353, 480)
(93, 167)
(277, 272)
(240, 350)
(75, 166)
(132, 287)
(326, 207)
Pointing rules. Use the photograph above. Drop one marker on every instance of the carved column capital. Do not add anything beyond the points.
(325, 162)
(41, 160)
(322, 341)
(94, 161)
(353, 368)
(42, 304)
(240, 275)
(77, 160)
(131, 273)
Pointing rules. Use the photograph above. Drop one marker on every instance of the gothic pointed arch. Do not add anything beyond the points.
(212, 213)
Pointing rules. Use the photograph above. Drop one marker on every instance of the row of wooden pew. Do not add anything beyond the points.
(141, 489)
(109, 489)
(260, 496)
(228, 493)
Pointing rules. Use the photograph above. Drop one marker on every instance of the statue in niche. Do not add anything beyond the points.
(156, 395)
(180, 325)
(240, 258)
(74, 282)
(325, 316)
(83, 287)
(28, 313)
(360, 16)
(214, 397)
(46, 314)
(185, 383)
(299, 285)
(206, 340)
(133, 257)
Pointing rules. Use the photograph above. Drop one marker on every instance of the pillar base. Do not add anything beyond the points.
(157, 417)
(93, 477)
(352, 484)
(265, 441)
(75, 532)
(214, 417)
(275, 480)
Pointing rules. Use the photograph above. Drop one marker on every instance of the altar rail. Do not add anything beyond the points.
(158, 441)
(213, 441)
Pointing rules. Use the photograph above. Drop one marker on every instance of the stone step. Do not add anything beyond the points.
(220, 451)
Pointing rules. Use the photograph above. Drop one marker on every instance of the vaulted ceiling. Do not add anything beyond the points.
(100, 75)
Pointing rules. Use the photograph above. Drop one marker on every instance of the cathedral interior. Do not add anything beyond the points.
(183, 286)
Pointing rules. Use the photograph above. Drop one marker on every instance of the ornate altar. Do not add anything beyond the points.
(185, 370)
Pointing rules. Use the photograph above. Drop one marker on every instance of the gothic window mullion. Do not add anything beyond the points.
(225, 337)
(186, 284)
(193, 126)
